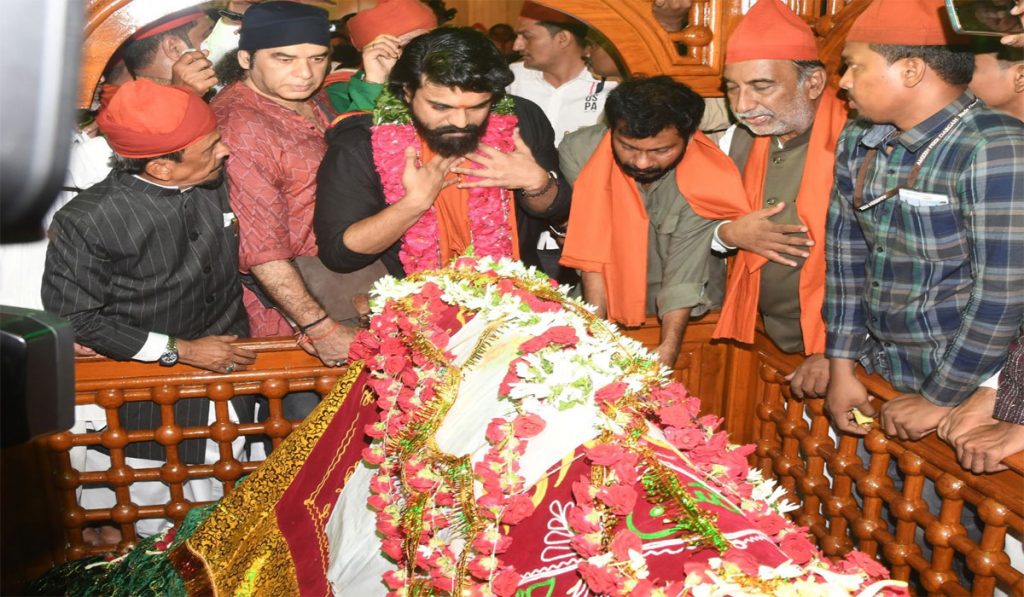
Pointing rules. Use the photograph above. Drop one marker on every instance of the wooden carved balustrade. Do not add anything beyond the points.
(845, 501)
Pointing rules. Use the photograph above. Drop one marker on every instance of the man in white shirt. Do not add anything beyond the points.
(554, 75)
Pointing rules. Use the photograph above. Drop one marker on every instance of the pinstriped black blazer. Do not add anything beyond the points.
(127, 257)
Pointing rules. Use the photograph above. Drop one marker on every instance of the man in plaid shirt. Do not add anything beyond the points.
(925, 243)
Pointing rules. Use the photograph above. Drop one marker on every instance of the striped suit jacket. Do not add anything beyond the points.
(127, 258)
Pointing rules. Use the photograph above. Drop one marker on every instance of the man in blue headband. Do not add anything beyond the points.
(273, 121)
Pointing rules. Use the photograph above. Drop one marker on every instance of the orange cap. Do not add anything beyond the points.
(771, 31)
(394, 17)
(145, 119)
(905, 23)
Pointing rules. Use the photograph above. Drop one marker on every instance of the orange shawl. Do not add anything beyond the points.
(453, 217)
(739, 313)
(608, 223)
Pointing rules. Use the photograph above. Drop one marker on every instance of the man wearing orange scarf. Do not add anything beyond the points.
(785, 148)
(632, 230)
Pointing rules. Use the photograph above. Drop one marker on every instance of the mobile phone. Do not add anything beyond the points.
(983, 17)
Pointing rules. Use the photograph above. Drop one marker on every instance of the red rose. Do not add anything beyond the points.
(605, 454)
(393, 365)
(386, 527)
(610, 393)
(519, 507)
(625, 469)
(676, 416)
(505, 582)
(578, 522)
(746, 562)
(496, 431)
(585, 546)
(393, 580)
(487, 547)
(869, 565)
(562, 334)
(685, 439)
(601, 580)
(527, 425)
(620, 499)
(374, 430)
(770, 523)
(392, 347)
(644, 588)
(373, 455)
(624, 542)
(392, 547)
(581, 491)
(482, 566)
(735, 463)
(797, 547)
(510, 378)
(710, 421)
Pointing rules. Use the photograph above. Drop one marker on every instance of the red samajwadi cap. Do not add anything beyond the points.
(169, 22)
(771, 31)
(145, 119)
(539, 12)
(905, 23)
(394, 17)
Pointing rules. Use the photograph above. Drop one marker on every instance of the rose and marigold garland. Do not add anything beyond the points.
(489, 207)
(447, 536)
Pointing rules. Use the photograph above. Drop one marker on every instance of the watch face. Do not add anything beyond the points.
(169, 358)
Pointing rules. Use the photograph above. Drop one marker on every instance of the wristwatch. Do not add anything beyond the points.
(170, 356)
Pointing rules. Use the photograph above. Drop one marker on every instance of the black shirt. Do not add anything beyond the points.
(349, 190)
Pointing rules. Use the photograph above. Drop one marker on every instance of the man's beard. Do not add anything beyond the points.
(647, 175)
(799, 118)
(446, 142)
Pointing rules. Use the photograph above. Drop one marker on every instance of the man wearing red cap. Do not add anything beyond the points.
(273, 121)
(379, 33)
(554, 75)
(144, 264)
(923, 246)
(785, 147)
(168, 51)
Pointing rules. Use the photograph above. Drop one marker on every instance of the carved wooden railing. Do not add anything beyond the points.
(280, 368)
(842, 500)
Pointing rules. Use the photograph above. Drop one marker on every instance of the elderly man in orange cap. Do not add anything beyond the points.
(379, 33)
(925, 275)
(145, 263)
(789, 122)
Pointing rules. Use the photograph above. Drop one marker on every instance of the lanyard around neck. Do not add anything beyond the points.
(915, 171)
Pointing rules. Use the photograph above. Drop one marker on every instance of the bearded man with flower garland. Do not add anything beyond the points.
(446, 162)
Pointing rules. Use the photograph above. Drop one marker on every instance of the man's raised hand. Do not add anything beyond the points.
(423, 183)
(756, 232)
(514, 170)
(195, 71)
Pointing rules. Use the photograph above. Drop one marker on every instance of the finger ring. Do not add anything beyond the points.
(230, 368)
